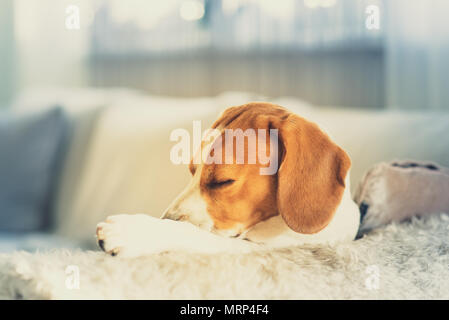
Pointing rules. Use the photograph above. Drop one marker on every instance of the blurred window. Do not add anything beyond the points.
(142, 26)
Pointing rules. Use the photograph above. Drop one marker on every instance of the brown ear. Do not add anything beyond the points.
(311, 178)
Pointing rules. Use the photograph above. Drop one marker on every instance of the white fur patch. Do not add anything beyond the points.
(139, 234)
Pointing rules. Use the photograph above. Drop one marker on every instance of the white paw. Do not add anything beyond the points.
(129, 235)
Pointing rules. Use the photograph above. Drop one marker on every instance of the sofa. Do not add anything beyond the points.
(116, 160)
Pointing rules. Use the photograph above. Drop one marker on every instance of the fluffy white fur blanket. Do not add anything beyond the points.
(408, 260)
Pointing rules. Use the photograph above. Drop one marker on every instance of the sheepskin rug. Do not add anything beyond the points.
(400, 261)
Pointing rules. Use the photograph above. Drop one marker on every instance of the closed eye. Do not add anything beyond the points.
(220, 184)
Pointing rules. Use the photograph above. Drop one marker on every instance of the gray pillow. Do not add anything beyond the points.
(31, 153)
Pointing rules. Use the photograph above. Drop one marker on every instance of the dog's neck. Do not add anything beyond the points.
(274, 232)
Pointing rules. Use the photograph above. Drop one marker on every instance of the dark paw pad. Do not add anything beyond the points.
(363, 210)
(101, 244)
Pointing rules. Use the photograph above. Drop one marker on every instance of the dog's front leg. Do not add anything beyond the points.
(139, 234)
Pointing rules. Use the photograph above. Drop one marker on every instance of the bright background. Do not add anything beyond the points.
(317, 50)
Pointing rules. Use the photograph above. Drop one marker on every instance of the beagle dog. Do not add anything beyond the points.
(230, 206)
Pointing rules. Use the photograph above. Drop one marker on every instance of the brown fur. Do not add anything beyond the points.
(306, 190)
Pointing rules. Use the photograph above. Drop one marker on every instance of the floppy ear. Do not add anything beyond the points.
(311, 178)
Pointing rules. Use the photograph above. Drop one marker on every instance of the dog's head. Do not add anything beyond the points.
(229, 197)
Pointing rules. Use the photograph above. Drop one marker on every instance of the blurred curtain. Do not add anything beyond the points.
(417, 54)
(7, 64)
(319, 50)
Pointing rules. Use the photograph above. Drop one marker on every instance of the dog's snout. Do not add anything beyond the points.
(190, 207)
